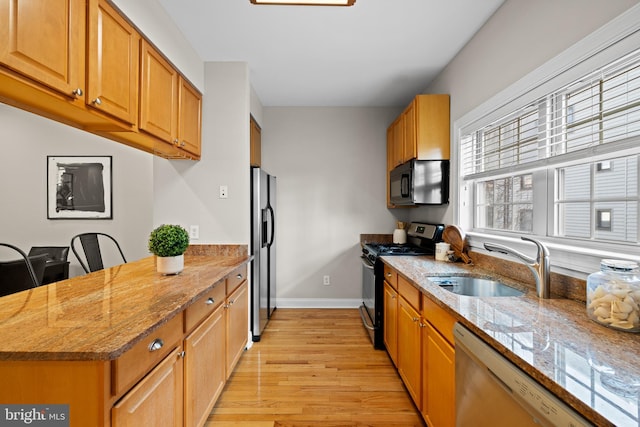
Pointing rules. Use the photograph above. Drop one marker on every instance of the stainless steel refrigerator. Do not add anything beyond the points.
(263, 248)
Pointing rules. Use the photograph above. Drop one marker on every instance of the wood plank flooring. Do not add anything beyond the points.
(314, 367)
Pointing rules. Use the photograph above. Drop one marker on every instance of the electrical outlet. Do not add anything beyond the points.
(194, 232)
(224, 192)
(326, 280)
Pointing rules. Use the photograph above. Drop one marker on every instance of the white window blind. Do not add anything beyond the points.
(597, 110)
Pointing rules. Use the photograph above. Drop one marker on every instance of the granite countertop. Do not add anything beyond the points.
(592, 368)
(101, 315)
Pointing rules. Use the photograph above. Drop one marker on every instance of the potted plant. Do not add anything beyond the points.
(169, 243)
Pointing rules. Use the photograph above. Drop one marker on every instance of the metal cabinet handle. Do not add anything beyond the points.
(231, 302)
(388, 274)
(239, 276)
(415, 319)
(209, 301)
(78, 92)
(97, 101)
(156, 344)
(176, 141)
(182, 144)
(181, 354)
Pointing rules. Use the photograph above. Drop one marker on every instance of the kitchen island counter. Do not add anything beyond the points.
(592, 368)
(101, 315)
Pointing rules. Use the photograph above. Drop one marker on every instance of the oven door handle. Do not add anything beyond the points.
(364, 316)
(366, 262)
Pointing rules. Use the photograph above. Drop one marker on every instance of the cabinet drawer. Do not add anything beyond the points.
(195, 313)
(409, 292)
(391, 276)
(441, 320)
(236, 278)
(135, 363)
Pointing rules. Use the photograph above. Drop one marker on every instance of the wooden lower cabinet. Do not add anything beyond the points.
(438, 381)
(410, 349)
(204, 367)
(237, 315)
(391, 322)
(418, 335)
(157, 399)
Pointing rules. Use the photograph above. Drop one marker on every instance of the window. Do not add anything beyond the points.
(565, 166)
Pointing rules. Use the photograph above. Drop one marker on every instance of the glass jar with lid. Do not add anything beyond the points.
(613, 295)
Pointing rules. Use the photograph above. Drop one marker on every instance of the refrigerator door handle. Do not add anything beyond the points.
(273, 225)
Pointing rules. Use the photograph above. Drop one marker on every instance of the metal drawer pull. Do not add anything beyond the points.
(210, 301)
(239, 276)
(97, 101)
(156, 344)
(77, 92)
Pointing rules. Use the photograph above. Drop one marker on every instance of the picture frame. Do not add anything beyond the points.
(79, 187)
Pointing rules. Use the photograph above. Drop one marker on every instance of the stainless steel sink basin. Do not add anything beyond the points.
(475, 286)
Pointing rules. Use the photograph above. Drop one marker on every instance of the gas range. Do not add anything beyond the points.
(421, 240)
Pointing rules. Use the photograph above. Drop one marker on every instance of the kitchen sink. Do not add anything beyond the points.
(475, 286)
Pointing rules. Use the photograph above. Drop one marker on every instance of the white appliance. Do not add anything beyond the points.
(263, 249)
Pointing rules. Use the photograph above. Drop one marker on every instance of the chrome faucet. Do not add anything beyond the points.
(538, 266)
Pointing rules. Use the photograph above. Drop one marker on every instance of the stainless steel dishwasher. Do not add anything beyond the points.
(493, 392)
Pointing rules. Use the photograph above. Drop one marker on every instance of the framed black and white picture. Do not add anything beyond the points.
(79, 187)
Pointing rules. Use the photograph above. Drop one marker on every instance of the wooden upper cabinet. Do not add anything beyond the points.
(432, 127)
(256, 142)
(45, 40)
(170, 108)
(158, 95)
(113, 63)
(189, 117)
(421, 132)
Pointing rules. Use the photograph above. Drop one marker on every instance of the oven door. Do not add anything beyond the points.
(368, 307)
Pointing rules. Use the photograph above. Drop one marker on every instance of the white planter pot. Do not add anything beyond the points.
(169, 264)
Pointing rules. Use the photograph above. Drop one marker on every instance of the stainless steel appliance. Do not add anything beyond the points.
(420, 182)
(263, 248)
(421, 240)
(493, 392)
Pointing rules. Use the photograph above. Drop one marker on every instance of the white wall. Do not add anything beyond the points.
(153, 21)
(28, 140)
(186, 192)
(330, 166)
(519, 37)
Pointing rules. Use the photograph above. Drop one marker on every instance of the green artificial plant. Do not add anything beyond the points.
(168, 240)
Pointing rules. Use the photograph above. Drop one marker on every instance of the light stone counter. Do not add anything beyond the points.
(592, 368)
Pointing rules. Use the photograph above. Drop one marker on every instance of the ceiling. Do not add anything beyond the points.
(375, 53)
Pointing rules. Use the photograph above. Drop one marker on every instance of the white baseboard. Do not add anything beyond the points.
(317, 303)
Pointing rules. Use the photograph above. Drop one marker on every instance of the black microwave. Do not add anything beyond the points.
(420, 182)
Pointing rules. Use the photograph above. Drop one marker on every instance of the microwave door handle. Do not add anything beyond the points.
(404, 185)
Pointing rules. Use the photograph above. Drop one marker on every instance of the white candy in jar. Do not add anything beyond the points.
(613, 295)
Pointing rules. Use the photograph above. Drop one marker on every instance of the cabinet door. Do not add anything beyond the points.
(410, 349)
(113, 63)
(190, 118)
(439, 385)
(433, 134)
(204, 367)
(158, 95)
(391, 322)
(156, 399)
(409, 143)
(398, 141)
(44, 40)
(237, 325)
(256, 142)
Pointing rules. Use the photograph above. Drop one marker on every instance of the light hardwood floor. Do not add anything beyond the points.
(314, 367)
